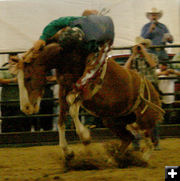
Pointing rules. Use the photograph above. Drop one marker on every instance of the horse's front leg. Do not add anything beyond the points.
(81, 130)
(148, 142)
(61, 125)
(67, 153)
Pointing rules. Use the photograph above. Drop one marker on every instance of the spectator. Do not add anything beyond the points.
(10, 92)
(157, 32)
(142, 61)
(176, 66)
(145, 63)
(167, 86)
(6, 81)
(176, 58)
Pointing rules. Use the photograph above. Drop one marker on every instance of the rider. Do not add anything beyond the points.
(98, 34)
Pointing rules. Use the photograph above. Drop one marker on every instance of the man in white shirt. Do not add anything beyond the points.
(167, 86)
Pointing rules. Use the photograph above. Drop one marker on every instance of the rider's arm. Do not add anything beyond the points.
(129, 62)
(7, 81)
(150, 58)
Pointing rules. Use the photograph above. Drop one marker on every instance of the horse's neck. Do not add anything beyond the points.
(72, 63)
(53, 57)
(49, 56)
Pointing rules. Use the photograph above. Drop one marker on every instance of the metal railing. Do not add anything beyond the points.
(153, 46)
(55, 99)
(53, 83)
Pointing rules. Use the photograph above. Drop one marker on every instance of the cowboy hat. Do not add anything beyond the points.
(154, 11)
(141, 40)
(88, 12)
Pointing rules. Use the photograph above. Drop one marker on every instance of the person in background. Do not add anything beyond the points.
(176, 66)
(167, 86)
(176, 58)
(145, 63)
(10, 92)
(157, 32)
(6, 81)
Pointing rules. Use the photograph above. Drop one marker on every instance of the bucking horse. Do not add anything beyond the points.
(127, 103)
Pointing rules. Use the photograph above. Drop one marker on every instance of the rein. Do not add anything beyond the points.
(148, 101)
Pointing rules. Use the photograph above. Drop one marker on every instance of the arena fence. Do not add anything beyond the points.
(38, 138)
(51, 137)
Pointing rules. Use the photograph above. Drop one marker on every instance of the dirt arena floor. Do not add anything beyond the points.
(92, 163)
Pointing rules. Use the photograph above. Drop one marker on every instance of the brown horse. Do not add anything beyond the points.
(121, 101)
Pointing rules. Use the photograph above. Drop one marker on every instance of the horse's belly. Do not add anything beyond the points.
(104, 107)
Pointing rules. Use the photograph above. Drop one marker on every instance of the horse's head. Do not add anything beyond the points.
(31, 67)
(31, 80)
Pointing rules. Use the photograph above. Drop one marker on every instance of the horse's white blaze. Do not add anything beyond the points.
(25, 105)
(37, 106)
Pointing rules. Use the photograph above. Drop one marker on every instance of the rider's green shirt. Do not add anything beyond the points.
(53, 27)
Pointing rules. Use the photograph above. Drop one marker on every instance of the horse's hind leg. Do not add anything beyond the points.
(81, 130)
(145, 135)
(119, 128)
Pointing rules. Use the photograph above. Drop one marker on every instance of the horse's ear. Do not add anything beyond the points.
(13, 64)
(14, 59)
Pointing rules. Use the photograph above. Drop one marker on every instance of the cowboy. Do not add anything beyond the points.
(157, 32)
(167, 86)
(142, 61)
(95, 30)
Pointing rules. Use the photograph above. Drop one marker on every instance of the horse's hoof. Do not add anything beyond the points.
(86, 142)
(69, 156)
(146, 156)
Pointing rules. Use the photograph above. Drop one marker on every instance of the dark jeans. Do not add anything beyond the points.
(169, 115)
(155, 135)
